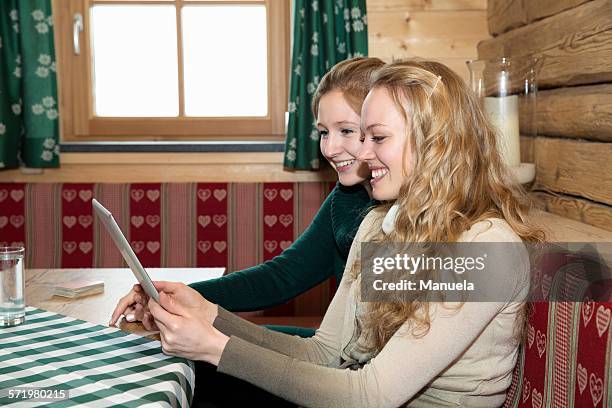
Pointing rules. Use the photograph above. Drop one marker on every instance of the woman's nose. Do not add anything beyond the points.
(365, 153)
(332, 146)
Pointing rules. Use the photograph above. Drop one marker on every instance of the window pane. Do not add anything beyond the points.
(225, 60)
(135, 60)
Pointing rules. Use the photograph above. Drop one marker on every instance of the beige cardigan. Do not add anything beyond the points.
(466, 358)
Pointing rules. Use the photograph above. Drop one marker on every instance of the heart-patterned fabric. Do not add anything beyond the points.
(12, 214)
(77, 225)
(278, 231)
(233, 225)
(212, 227)
(145, 222)
(565, 358)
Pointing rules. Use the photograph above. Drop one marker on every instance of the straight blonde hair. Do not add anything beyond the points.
(352, 77)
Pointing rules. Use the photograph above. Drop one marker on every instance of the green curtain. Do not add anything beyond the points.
(29, 131)
(325, 33)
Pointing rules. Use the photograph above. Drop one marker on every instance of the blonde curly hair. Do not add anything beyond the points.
(454, 178)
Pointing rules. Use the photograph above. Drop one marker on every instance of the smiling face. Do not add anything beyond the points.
(385, 131)
(338, 126)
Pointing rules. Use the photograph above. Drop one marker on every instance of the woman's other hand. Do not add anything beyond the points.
(185, 321)
(134, 307)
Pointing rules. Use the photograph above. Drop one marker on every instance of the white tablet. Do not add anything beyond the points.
(126, 250)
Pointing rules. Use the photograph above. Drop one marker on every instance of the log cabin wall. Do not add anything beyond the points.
(445, 30)
(573, 149)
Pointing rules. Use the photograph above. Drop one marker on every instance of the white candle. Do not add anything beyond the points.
(504, 115)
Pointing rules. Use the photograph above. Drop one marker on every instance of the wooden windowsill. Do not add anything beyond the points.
(169, 167)
(213, 146)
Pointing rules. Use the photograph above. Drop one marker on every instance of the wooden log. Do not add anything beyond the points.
(577, 112)
(577, 209)
(575, 167)
(504, 15)
(537, 10)
(527, 149)
(576, 45)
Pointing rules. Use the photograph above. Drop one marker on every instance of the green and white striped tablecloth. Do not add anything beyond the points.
(100, 366)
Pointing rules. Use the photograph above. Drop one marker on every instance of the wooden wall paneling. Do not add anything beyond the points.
(576, 112)
(404, 5)
(504, 15)
(455, 4)
(576, 44)
(446, 31)
(577, 209)
(375, 6)
(574, 167)
(438, 48)
(470, 24)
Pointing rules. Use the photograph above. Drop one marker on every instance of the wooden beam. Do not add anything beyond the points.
(575, 45)
(504, 15)
(575, 167)
(537, 10)
(578, 209)
(576, 112)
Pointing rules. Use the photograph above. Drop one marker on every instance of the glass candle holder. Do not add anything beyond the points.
(507, 88)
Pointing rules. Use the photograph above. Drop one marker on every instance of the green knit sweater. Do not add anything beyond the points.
(319, 253)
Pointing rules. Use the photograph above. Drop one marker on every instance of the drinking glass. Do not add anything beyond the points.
(12, 286)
